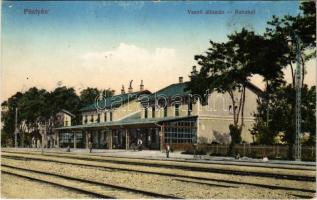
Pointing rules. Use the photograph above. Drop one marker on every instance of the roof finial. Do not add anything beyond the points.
(180, 79)
(122, 90)
(141, 86)
(130, 89)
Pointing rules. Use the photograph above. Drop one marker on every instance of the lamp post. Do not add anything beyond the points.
(16, 131)
(298, 85)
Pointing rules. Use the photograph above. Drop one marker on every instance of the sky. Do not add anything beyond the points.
(107, 44)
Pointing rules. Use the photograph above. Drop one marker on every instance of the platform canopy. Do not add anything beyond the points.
(133, 120)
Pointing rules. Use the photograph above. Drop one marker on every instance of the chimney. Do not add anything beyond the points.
(141, 86)
(180, 79)
(130, 89)
(122, 90)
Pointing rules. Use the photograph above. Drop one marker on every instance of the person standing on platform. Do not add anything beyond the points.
(140, 144)
(38, 143)
(33, 142)
(90, 146)
(167, 150)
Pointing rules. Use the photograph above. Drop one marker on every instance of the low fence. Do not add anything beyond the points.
(254, 151)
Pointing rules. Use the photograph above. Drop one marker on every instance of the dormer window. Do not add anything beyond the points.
(66, 123)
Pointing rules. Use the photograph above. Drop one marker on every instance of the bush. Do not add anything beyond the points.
(6, 140)
(199, 151)
(235, 133)
(202, 140)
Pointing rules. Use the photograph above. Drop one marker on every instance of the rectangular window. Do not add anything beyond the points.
(110, 116)
(165, 111)
(91, 118)
(190, 108)
(176, 110)
(86, 119)
(153, 112)
(98, 118)
(105, 116)
(145, 112)
(180, 132)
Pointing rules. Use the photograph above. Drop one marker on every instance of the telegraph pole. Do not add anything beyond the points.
(16, 131)
(298, 86)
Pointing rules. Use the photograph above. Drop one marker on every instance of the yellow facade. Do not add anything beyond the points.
(213, 119)
(117, 113)
(67, 121)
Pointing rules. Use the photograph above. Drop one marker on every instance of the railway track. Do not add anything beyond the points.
(236, 170)
(90, 193)
(93, 188)
(183, 178)
(291, 166)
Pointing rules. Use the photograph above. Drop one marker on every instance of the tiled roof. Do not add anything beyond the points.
(176, 89)
(115, 101)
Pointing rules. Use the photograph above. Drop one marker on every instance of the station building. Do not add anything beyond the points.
(170, 115)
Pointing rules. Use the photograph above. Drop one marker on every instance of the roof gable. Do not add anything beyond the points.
(254, 88)
(67, 112)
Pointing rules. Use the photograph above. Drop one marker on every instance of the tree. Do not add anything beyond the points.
(284, 31)
(228, 67)
(38, 107)
(8, 117)
(279, 98)
(309, 113)
(266, 129)
(108, 92)
(281, 111)
(64, 98)
(89, 95)
(31, 105)
(32, 109)
(61, 98)
(219, 72)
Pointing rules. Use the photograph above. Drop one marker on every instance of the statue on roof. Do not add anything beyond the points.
(130, 84)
